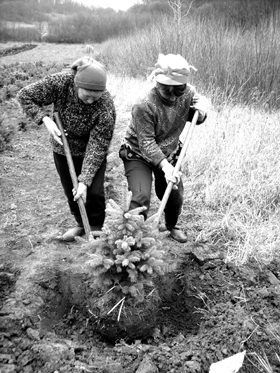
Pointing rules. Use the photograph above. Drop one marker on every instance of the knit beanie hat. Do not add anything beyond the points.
(172, 69)
(90, 74)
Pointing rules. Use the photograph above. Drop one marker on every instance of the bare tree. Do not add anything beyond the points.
(179, 12)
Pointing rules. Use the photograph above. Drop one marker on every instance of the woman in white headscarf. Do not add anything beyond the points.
(152, 138)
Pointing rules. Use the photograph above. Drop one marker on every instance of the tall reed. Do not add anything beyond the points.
(235, 65)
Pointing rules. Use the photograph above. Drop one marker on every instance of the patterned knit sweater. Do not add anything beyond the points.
(156, 125)
(89, 126)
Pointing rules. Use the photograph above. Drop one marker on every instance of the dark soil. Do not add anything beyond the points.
(15, 50)
(208, 310)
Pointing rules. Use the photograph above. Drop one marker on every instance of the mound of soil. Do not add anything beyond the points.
(15, 50)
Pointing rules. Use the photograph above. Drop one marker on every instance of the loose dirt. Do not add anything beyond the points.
(209, 309)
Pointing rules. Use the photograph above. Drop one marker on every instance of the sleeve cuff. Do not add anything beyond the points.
(84, 180)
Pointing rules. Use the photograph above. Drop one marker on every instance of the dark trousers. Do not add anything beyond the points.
(95, 203)
(139, 177)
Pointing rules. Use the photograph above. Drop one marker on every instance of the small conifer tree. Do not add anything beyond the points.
(127, 254)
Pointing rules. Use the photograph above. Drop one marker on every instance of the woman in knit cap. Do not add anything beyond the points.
(152, 138)
(88, 115)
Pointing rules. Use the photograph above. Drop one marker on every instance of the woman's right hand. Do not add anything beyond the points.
(170, 174)
(53, 129)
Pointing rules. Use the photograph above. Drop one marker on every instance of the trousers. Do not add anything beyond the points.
(95, 203)
(139, 174)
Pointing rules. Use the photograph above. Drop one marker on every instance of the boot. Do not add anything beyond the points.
(96, 230)
(72, 233)
(177, 234)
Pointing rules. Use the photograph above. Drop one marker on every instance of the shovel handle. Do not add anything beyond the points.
(73, 174)
(177, 166)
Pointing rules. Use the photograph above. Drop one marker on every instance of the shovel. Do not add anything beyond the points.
(177, 167)
(73, 175)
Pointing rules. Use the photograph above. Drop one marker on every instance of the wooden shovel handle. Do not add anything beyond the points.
(177, 166)
(73, 175)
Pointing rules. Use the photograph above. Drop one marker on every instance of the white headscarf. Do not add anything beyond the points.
(172, 69)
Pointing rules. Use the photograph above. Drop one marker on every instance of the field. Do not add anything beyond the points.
(224, 295)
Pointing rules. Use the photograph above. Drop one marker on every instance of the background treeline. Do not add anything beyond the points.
(65, 21)
(234, 44)
(29, 11)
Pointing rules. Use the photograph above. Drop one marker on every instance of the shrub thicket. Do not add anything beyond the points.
(235, 65)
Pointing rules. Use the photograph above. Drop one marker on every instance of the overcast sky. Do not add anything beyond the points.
(115, 4)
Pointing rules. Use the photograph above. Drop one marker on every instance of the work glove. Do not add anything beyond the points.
(171, 175)
(53, 129)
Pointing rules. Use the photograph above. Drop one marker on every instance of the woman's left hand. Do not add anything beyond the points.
(80, 192)
(201, 103)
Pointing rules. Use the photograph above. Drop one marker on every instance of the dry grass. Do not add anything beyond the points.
(234, 161)
(233, 65)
